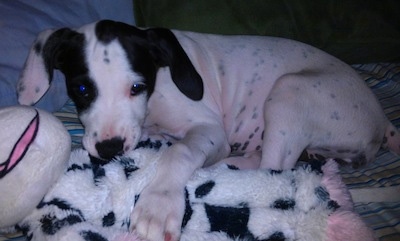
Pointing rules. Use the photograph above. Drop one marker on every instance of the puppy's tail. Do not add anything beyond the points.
(391, 140)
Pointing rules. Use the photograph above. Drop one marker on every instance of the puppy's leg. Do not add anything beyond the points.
(287, 129)
(159, 210)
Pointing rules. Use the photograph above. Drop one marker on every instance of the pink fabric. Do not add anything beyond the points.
(344, 224)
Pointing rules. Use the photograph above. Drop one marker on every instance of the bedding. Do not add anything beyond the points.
(349, 34)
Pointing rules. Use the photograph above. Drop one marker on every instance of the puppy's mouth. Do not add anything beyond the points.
(108, 149)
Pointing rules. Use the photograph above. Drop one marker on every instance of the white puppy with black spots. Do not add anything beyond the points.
(262, 99)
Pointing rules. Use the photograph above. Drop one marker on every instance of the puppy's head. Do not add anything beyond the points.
(110, 71)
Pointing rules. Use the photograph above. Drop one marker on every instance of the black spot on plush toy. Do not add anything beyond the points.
(50, 193)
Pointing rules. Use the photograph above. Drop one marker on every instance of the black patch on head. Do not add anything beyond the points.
(134, 42)
(64, 50)
(92, 236)
(204, 189)
(51, 225)
(284, 204)
(188, 210)
(109, 219)
(277, 236)
(230, 220)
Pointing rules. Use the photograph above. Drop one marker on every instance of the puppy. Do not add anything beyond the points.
(262, 99)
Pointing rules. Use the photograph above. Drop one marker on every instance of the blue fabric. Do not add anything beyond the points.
(22, 20)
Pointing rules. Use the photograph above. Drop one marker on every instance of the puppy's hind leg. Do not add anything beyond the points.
(287, 129)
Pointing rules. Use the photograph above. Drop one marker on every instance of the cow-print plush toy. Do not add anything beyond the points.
(92, 201)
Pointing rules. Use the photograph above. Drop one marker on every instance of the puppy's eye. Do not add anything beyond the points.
(137, 89)
(82, 90)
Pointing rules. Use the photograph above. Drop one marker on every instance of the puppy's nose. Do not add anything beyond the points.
(108, 149)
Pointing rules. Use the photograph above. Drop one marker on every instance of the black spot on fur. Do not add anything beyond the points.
(188, 210)
(284, 204)
(109, 219)
(128, 166)
(38, 48)
(275, 172)
(98, 173)
(333, 205)
(150, 144)
(235, 146)
(238, 127)
(76, 167)
(137, 197)
(230, 220)
(92, 236)
(51, 225)
(321, 193)
(60, 204)
(277, 236)
(24, 228)
(335, 115)
(245, 145)
(233, 167)
(204, 189)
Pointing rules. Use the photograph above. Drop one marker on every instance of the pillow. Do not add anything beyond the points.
(355, 31)
(22, 20)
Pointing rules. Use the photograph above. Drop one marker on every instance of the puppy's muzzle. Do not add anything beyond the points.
(108, 149)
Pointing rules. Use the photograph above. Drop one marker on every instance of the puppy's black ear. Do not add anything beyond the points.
(47, 53)
(166, 51)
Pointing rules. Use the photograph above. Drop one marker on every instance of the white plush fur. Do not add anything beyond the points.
(24, 186)
(90, 201)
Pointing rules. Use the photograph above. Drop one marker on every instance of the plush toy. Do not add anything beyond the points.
(34, 152)
(92, 201)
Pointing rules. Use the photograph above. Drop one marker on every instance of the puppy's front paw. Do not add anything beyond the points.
(158, 214)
